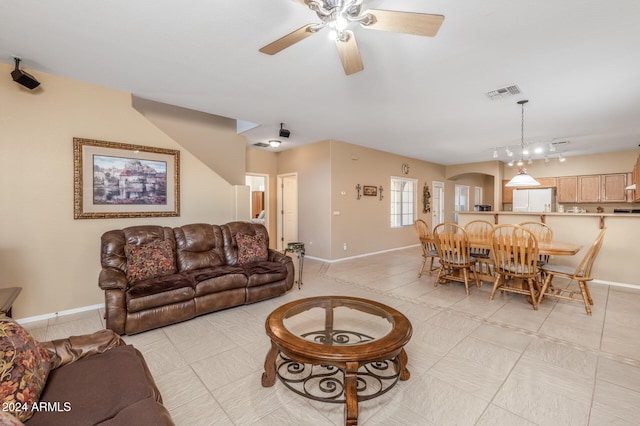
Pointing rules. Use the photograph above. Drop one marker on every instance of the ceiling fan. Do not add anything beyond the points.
(338, 14)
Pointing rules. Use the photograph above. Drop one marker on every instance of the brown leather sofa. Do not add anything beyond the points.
(98, 379)
(212, 272)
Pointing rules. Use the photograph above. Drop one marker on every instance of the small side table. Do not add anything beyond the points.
(7, 297)
(298, 249)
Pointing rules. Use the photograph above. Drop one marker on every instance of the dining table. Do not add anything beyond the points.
(550, 248)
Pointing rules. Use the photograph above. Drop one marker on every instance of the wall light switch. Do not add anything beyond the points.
(336, 212)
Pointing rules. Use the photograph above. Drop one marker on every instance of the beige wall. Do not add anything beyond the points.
(204, 135)
(312, 164)
(42, 248)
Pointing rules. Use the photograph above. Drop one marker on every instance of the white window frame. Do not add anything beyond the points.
(403, 212)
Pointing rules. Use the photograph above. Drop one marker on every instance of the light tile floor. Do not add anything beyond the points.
(472, 361)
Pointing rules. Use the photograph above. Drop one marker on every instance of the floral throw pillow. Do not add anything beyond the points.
(252, 248)
(24, 367)
(149, 260)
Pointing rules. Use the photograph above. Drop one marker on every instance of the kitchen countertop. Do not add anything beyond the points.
(554, 213)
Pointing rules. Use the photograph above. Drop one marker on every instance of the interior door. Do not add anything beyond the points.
(437, 204)
(288, 212)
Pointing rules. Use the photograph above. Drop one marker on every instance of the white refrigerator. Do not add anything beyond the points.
(534, 200)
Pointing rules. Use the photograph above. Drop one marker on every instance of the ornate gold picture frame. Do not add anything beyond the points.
(115, 180)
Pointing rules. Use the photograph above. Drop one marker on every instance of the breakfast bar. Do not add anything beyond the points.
(613, 266)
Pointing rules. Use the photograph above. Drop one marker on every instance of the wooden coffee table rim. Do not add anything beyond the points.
(382, 348)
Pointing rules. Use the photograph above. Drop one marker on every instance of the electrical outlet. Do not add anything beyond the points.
(344, 247)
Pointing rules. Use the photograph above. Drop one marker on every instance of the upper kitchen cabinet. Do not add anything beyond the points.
(589, 189)
(567, 189)
(613, 187)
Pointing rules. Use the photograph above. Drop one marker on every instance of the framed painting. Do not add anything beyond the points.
(116, 180)
(370, 191)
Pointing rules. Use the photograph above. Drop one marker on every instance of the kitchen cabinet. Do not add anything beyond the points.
(613, 188)
(589, 189)
(507, 192)
(547, 182)
(567, 189)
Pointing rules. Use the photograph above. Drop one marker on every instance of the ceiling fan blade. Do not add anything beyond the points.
(422, 24)
(288, 40)
(349, 54)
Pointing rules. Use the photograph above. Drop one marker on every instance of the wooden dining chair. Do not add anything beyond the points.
(515, 258)
(543, 233)
(454, 252)
(429, 249)
(581, 274)
(480, 230)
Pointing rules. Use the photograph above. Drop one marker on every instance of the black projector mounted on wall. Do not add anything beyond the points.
(284, 133)
(24, 78)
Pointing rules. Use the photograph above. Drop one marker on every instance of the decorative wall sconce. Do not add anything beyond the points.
(358, 188)
(380, 192)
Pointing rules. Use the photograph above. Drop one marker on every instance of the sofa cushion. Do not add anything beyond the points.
(221, 278)
(264, 272)
(97, 388)
(24, 367)
(151, 260)
(199, 246)
(159, 291)
(251, 248)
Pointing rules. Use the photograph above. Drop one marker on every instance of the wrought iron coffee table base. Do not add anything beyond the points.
(334, 364)
(326, 382)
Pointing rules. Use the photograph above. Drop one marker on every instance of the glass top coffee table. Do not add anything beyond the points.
(337, 349)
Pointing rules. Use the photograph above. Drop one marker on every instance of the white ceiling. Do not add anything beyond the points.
(576, 61)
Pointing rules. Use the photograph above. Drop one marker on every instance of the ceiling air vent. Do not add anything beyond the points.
(503, 92)
(261, 144)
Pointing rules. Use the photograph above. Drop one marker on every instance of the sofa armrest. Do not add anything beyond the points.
(112, 279)
(66, 351)
(276, 256)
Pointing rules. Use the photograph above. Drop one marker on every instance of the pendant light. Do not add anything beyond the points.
(522, 178)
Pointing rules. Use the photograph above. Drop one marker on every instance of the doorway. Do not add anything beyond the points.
(259, 202)
(287, 229)
(437, 204)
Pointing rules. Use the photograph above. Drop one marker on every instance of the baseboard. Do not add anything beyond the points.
(616, 284)
(59, 314)
(361, 255)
